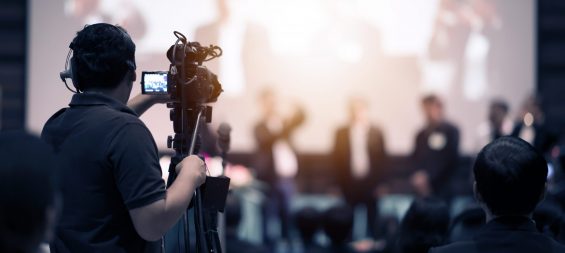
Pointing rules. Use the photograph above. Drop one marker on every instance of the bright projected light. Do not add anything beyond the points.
(294, 29)
(312, 53)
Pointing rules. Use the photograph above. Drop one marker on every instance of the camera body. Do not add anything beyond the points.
(190, 87)
(202, 86)
(187, 82)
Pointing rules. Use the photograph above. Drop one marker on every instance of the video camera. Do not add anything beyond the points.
(191, 87)
(186, 74)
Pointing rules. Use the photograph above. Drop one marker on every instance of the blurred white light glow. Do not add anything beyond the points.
(294, 24)
(350, 52)
(165, 161)
(528, 119)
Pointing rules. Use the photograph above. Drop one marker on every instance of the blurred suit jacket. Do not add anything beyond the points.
(264, 162)
(506, 234)
(358, 190)
(440, 163)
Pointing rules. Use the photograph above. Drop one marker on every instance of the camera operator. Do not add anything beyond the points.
(114, 199)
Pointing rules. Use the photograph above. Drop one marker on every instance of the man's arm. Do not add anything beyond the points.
(141, 103)
(152, 221)
(153, 208)
(264, 138)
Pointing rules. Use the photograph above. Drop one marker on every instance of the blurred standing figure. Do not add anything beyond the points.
(529, 125)
(498, 124)
(275, 159)
(436, 151)
(360, 155)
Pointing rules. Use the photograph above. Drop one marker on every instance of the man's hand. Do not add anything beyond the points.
(159, 98)
(142, 102)
(193, 168)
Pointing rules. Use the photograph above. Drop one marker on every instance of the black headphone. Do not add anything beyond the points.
(68, 72)
(69, 65)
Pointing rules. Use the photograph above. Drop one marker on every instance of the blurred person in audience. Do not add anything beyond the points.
(547, 217)
(560, 227)
(338, 226)
(233, 214)
(436, 151)
(308, 222)
(28, 192)
(360, 156)
(530, 126)
(467, 224)
(498, 124)
(558, 189)
(510, 181)
(387, 229)
(275, 158)
(425, 225)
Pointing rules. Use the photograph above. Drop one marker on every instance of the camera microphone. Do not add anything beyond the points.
(65, 74)
(224, 137)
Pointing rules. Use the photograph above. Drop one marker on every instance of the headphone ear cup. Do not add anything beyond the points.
(67, 73)
(74, 78)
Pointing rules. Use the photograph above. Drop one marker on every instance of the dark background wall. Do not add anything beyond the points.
(550, 65)
(13, 56)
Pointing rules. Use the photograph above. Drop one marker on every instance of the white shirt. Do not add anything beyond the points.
(358, 136)
(285, 161)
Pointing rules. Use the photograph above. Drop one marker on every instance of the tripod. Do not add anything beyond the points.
(209, 199)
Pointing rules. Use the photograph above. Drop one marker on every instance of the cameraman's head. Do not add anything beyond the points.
(510, 177)
(104, 60)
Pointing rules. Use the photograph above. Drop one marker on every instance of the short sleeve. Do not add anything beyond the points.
(136, 168)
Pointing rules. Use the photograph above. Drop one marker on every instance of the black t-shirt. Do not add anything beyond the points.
(109, 165)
